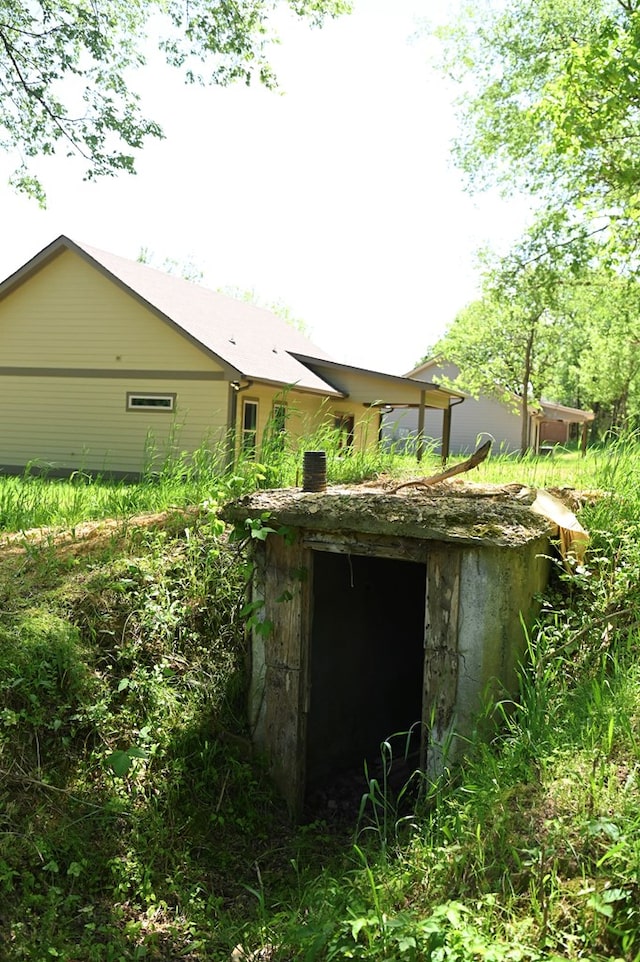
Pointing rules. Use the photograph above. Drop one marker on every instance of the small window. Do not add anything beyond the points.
(249, 426)
(151, 402)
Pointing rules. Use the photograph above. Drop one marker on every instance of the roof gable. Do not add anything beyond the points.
(424, 366)
(248, 341)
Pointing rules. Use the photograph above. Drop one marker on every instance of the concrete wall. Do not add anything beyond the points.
(498, 591)
(476, 600)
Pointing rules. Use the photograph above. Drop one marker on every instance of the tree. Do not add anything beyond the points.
(505, 344)
(551, 93)
(65, 66)
(579, 346)
(497, 346)
(605, 371)
(187, 270)
(549, 105)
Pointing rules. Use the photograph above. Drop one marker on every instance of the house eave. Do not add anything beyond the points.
(296, 386)
(560, 412)
(444, 396)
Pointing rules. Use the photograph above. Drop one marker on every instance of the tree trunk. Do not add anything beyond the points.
(528, 362)
(524, 433)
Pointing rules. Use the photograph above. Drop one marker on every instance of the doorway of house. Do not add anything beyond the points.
(366, 660)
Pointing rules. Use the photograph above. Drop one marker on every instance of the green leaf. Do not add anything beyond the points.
(604, 826)
(407, 943)
(119, 762)
(251, 608)
(264, 628)
(285, 596)
(601, 907)
(56, 52)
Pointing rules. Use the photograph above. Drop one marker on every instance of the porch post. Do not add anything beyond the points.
(446, 434)
(420, 445)
(535, 431)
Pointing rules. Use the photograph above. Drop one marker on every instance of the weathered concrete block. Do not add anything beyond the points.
(389, 612)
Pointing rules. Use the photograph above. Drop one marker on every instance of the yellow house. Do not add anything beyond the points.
(108, 365)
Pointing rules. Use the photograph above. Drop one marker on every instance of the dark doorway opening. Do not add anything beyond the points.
(366, 660)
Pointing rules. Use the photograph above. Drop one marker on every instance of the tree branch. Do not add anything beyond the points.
(476, 458)
(24, 83)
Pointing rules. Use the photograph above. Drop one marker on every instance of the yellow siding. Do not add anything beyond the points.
(69, 315)
(83, 423)
(308, 414)
(265, 396)
(365, 389)
(367, 423)
(313, 414)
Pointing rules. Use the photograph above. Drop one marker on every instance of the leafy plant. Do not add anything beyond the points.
(136, 820)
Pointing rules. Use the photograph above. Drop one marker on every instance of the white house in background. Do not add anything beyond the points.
(481, 419)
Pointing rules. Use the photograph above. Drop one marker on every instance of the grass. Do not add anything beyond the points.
(35, 500)
(136, 823)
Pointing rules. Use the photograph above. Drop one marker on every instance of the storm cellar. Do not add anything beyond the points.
(381, 613)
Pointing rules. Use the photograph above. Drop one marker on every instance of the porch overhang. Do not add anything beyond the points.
(373, 389)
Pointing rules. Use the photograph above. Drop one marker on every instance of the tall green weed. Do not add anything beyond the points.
(135, 821)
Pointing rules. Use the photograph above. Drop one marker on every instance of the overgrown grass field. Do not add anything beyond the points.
(135, 822)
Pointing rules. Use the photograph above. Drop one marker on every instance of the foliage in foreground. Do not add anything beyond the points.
(135, 823)
(94, 47)
(548, 96)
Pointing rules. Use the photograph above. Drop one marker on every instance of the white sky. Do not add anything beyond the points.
(335, 196)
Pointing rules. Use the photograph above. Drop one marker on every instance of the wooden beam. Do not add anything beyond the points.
(286, 607)
(420, 445)
(440, 682)
(404, 549)
(476, 458)
(446, 436)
